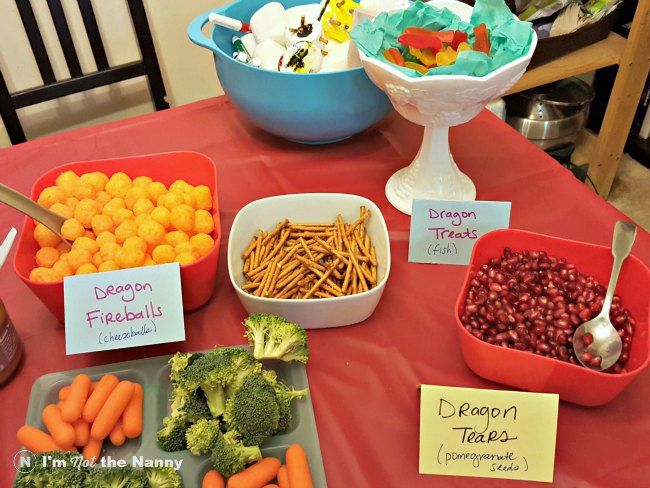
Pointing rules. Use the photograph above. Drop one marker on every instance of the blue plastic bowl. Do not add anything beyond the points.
(309, 108)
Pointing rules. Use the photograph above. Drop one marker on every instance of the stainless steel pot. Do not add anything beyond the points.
(552, 115)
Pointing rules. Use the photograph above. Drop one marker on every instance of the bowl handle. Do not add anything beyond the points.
(195, 30)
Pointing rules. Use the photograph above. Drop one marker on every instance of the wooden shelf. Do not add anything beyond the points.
(604, 53)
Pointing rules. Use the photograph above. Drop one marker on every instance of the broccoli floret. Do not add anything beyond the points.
(202, 435)
(163, 478)
(216, 369)
(178, 363)
(253, 410)
(285, 394)
(126, 477)
(273, 337)
(53, 469)
(171, 437)
(196, 407)
(230, 456)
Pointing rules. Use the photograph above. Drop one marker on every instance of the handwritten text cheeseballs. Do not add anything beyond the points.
(118, 223)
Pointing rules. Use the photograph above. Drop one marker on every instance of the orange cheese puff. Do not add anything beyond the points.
(51, 195)
(78, 257)
(60, 430)
(87, 268)
(178, 186)
(61, 268)
(133, 195)
(62, 209)
(184, 258)
(202, 197)
(102, 198)
(129, 257)
(72, 229)
(76, 400)
(45, 237)
(117, 436)
(170, 200)
(102, 223)
(108, 266)
(71, 203)
(36, 440)
(84, 191)
(100, 394)
(136, 243)
(203, 222)
(152, 232)
(92, 450)
(105, 238)
(188, 198)
(109, 250)
(85, 210)
(126, 229)
(175, 237)
(143, 206)
(202, 243)
(122, 215)
(187, 248)
(155, 190)
(163, 254)
(112, 206)
(112, 410)
(183, 217)
(132, 416)
(142, 181)
(148, 260)
(97, 259)
(117, 187)
(87, 243)
(67, 181)
(99, 180)
(44, 275)
(47, 256)
(162, 215)
(81, 432)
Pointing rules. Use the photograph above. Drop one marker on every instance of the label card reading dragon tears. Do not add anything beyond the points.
(487, 433)
(126, 308)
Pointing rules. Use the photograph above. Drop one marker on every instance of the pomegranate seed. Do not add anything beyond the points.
(587, 339)
(534, 302)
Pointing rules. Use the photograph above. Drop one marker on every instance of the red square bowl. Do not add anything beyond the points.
(531, 372)
(197, 279)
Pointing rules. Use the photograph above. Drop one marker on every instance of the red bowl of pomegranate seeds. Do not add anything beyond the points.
(523, 297)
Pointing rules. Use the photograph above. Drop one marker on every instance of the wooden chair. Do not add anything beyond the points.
(78, 81)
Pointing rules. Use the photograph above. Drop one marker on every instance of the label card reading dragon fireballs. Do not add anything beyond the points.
(126, 308)
(487, 433)
(445, 231)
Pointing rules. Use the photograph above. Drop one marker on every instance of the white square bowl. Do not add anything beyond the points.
(265, 214)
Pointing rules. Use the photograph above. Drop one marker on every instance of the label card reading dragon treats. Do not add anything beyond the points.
(126, 308)
(445, 231)
(487, 433)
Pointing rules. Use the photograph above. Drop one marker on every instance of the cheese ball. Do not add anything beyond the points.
(45, 237)
(47, 256)
(163, 254)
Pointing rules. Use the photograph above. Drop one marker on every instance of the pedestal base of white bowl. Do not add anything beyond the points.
(433, 175)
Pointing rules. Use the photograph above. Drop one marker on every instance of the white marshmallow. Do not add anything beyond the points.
(249, 42)
(337, 59)
(269, 22)
(290, 38)
(310, 11)
(269, 53)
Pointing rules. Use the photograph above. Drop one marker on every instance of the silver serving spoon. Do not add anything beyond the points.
(596, 343)
(26, 205)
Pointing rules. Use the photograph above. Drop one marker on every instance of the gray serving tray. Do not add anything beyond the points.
(153, 375)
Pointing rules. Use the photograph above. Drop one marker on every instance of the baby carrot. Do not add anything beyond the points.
(132, 418)
(283, 477)
(92, 450)
(63, 392)
(61, 431)
(298, 467)
(112, 410)
(117, 436)
(257, 475)
(212, 479)
(81, 432)
(99, 396)
(74, 403)
(36, 440)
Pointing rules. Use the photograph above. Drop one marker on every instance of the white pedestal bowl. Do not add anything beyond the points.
(437, 103)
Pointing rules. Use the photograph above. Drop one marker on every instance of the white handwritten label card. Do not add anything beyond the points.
(125, 308)
(444, 231)
(487, 433)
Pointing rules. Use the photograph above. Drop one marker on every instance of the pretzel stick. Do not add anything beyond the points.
(250, 248)
(265, 279)
(304, 246)
(321, 280)
(250, 286)
(288, 294)
(276, 231)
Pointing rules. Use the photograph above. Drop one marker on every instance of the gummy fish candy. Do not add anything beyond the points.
(337, 19)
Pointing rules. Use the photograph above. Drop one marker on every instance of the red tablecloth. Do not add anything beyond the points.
(364, 378)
